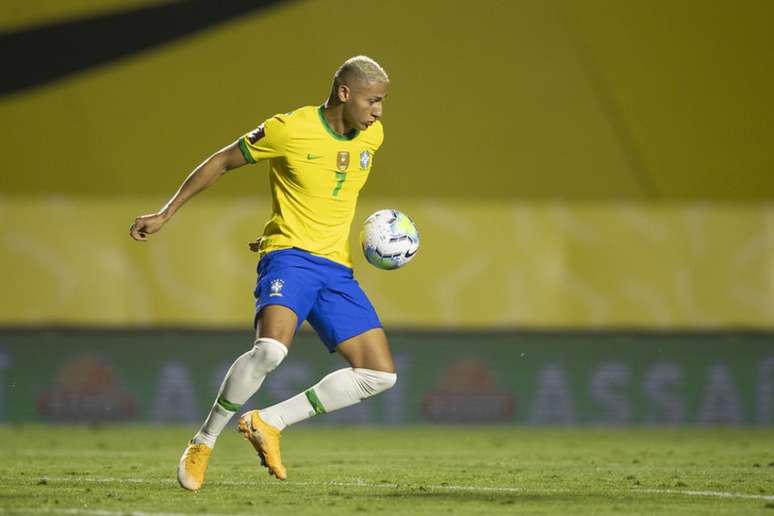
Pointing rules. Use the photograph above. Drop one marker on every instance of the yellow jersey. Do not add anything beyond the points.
(315, 176)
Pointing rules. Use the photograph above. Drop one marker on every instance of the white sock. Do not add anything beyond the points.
(242, 380)
(339, 389)
(216, 421)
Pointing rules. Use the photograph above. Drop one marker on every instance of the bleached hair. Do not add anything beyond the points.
(360, 68)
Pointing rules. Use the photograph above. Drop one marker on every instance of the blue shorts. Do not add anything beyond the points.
(318, 290)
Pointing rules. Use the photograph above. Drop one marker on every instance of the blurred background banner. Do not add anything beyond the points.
(572, 165)
(464, 377)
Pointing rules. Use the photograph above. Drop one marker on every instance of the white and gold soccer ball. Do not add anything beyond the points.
(390, 239)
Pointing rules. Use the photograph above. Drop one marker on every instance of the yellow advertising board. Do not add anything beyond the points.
(481, 263)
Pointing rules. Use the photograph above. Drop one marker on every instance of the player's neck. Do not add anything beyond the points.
(334, 114)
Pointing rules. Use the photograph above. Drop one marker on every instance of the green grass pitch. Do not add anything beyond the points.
(119, 470)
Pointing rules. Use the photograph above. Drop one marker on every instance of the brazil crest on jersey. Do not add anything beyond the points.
(316, 175)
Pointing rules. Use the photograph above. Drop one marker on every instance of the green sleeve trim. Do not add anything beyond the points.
(345, 137)
(315, 402)
(231, 407)
(245, 151)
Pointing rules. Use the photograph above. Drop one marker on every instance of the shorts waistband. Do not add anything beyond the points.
(302, 253)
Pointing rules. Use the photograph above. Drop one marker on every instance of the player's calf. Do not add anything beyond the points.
(339, 389)
(242, 380)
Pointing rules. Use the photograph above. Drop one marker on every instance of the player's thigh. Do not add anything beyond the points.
(342, 312)
(369, 350)
(277, 322)
(288, 284)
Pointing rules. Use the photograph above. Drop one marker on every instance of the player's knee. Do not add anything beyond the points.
(268, 353)
(373, 382)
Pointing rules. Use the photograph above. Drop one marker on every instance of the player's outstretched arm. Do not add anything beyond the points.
(203, 176)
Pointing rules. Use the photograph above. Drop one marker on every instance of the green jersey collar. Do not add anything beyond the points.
(349, 136)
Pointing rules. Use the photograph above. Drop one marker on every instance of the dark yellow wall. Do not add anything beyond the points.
(691, 82)
(646, 99)
(15, 14)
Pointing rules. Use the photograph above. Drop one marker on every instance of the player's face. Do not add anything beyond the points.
(364, 104)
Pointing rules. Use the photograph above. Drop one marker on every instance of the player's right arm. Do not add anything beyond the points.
(204, 175)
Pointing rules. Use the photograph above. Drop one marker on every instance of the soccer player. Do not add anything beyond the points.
(319, 159)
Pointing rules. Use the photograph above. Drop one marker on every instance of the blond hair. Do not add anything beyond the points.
(361, 68)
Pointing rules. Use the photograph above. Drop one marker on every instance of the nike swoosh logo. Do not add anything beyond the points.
(313, 156)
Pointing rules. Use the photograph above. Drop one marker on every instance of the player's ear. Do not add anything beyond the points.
(343, 92)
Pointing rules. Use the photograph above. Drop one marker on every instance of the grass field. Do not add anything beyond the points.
(419, 470)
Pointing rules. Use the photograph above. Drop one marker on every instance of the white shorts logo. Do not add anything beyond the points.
(276, 287)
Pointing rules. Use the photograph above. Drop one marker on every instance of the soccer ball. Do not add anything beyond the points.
(389, 239)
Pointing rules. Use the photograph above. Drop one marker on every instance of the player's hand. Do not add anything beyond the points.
(144, 225)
